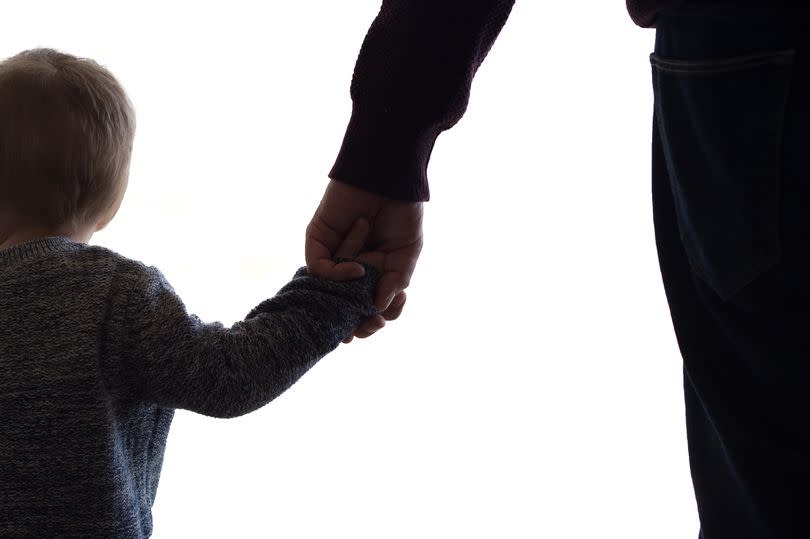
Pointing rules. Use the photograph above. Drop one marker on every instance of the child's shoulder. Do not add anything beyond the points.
(132, 271)
(106, 256)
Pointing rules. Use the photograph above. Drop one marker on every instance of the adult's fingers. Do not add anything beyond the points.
(341, 205)
(395, 309)
(373, 324)
(369, 327)
(390, 284)
(319, 258)
(353, 242)
(366, 328)
(327, 269)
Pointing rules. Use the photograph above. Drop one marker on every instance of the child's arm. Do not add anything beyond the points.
(175, 360)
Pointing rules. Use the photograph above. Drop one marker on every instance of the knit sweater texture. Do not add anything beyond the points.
(97, 351)
(412, 81)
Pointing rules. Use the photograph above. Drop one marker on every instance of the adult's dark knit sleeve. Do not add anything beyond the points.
(412, 81)
(644, 12)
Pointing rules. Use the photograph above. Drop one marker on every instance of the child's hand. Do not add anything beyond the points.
(353, 244)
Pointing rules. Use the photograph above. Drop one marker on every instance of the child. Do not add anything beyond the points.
(97, 350)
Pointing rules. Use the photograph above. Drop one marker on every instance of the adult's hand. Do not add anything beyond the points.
(396, 230)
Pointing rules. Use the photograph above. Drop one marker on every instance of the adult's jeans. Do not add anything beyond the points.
(731, 206)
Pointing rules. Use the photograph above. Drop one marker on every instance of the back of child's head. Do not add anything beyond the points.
(66, 133)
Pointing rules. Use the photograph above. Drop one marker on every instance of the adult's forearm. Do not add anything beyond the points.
(412, 81)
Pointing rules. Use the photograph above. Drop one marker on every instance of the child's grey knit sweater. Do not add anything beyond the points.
(96, 352)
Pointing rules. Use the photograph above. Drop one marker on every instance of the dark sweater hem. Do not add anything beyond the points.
(385, 154)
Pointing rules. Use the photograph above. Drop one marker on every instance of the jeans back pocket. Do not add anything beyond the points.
(721, 124)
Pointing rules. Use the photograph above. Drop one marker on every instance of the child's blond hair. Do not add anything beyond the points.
(66, 133)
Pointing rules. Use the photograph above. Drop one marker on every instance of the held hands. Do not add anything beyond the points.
(393, 238)
(352, 247)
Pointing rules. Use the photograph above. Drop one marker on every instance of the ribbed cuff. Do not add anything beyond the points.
(385, 155)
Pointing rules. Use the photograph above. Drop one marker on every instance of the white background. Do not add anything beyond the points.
(532, 387)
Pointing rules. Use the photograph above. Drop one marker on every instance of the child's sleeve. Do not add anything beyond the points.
(175, 360)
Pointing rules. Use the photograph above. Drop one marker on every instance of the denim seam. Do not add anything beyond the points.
(786, 57)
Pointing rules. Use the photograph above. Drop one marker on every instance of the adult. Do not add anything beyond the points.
(731, 208)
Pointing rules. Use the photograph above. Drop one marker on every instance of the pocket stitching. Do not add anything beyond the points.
(725, 283)
(786, 57)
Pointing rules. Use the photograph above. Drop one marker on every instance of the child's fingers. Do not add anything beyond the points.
(353, 242)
